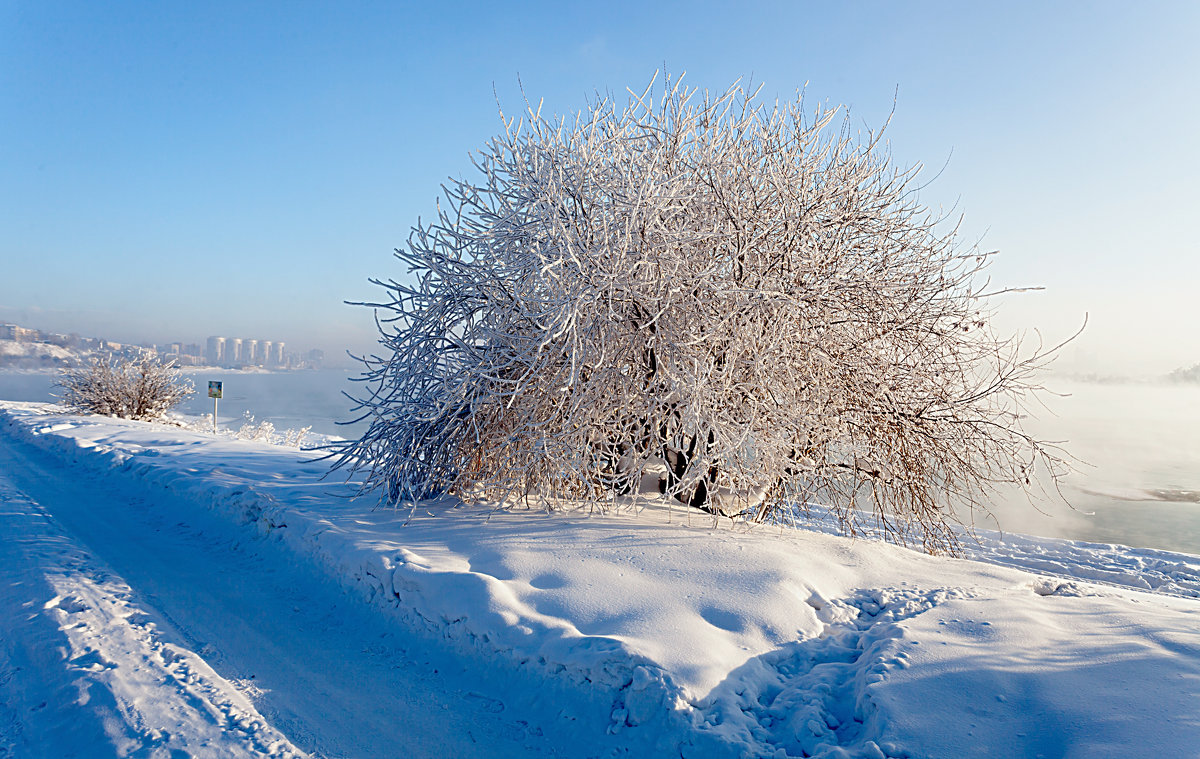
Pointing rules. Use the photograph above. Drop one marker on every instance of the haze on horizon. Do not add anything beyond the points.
(171, 173)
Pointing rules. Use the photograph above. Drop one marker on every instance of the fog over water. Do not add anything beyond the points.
(1138, 480)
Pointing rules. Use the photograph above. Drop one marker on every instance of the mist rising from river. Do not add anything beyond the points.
(1138, 480)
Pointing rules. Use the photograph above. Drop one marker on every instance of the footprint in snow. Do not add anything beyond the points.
(723, 619)
(92, 661)
(1048, 587)
(547, 581)
(487, 703)
(69, 605)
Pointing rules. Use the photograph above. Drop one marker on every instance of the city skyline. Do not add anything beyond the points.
(241, 352)
(221, 351)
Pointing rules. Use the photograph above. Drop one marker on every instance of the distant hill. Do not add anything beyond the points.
(20, 354)
(1189, 374)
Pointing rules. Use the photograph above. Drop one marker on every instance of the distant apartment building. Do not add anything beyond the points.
(13, 332)
(271, 353)
(182, 355)
(215, 354)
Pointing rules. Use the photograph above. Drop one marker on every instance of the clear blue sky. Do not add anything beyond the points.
(175, 170)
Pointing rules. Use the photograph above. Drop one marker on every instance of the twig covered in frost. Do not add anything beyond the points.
(740, 306)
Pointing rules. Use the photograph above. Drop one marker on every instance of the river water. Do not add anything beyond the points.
(1138, 445)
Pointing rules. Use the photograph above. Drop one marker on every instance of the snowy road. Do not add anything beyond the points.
(125, 631)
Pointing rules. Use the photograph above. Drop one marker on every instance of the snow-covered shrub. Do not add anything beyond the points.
(741, 306)
(263, 432)
(293, 438)
(250, 430)
(130, 388)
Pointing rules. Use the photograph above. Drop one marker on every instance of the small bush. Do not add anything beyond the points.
(265, 432)
(141, 388)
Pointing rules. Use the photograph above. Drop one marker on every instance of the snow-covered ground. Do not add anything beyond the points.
(166, 591)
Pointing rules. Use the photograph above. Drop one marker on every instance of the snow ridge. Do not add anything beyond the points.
(1164, 572)
(1119, 566)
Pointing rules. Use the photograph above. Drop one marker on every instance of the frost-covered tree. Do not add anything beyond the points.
(131, 388)
(742, 306)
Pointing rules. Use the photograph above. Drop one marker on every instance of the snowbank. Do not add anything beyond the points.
(715, 640)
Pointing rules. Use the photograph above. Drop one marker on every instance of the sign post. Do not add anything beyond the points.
(214, 392)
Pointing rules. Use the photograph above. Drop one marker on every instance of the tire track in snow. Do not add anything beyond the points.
(335, 678)
(90, 671)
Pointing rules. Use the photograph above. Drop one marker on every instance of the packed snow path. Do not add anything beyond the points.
(150, 637)
(85, 671)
